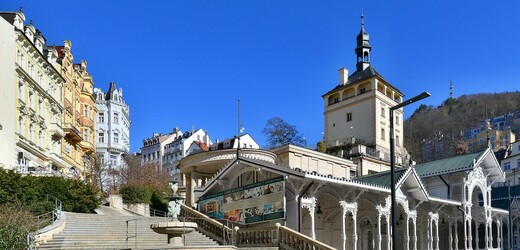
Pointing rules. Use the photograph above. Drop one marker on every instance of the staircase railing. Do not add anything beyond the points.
(278, 236)
(257, 237)
(131, 236)
(212, 228)
(44, 220)
(290, 239)
(157, 213)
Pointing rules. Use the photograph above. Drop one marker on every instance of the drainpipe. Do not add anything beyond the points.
(448, 186)
(300, 205)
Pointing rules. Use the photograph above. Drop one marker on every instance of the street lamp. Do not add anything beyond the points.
(392, 161)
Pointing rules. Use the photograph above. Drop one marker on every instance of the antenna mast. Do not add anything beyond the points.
(452, 89)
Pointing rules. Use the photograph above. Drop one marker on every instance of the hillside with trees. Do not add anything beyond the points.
(454, 116)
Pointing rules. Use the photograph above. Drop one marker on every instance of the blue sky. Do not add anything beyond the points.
(185, 63)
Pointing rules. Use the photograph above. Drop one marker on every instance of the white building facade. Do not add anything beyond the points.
(178, 149)
(153, 148)
(112, 127)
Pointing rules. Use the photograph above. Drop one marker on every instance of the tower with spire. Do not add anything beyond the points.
(356, 110)
(363, 47)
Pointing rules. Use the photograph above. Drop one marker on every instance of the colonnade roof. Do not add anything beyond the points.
(381, 178)
(448, 165)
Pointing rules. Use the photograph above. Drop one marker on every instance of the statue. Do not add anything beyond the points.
(174, 204)
(174, 228)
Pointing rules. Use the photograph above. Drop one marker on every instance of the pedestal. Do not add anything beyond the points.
(174, 230)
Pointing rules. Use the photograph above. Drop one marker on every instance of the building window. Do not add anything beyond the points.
(383, 112)
(20, 92)
(40, 139)
(31, 99)
(85, 134)
(40, 106)
(116, 118)
(20, 125)
(116, 138)
(397, 140)
(101, 118)
(382, 134)
(507, 166)
(31, 132)
(349, 116)
(101, 137)
(85, 110)
(397, 120)
(363, 90)
(518, 163)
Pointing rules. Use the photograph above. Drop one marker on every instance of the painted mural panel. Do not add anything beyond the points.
(252, 203)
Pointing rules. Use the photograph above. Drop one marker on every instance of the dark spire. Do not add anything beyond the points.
(110, 92)
(363, 47)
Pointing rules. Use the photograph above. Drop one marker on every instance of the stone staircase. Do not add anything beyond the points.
(109, 231)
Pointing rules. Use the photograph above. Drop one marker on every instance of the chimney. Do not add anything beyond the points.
(343, 76)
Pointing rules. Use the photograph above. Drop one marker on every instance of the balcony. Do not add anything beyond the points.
(56, 130)
(72, 132)
(87, 146)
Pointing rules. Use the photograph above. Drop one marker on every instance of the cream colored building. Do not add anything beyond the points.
(357, 109)
(31, 99)
(497, 140)
(79, 111)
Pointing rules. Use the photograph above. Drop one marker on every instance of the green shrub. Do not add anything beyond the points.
(158, 202)
(36, 193)
(135, 194)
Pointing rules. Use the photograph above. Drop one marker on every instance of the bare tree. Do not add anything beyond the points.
(148, 174)
(279, 132)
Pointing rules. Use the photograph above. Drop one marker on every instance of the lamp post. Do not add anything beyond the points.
(392, 160)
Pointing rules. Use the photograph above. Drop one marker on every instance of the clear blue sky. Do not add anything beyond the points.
(185, 63)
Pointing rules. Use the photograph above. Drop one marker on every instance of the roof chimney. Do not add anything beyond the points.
(343, 76)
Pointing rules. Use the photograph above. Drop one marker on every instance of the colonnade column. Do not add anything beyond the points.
(414, 220)
(189, 190)
(407, 232)
(429, 233)
(352, 209)
(456, 234)
(477, 226)
(517, 235)
(469, 237)
(499, 234)
(388, 231)
(310, 204)
(378, 237)
(437, 232)
(343, 233)
(354, 231)
(433, 219)
(450, 234)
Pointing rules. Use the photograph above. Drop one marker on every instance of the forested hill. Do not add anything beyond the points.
(455, 115)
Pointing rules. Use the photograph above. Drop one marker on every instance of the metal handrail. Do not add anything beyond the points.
(158, 213)
(132, 236)
(41, 219)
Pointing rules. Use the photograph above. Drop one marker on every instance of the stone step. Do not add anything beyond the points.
(93, 231)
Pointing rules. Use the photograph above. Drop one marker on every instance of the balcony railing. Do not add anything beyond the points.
(56, 129)
(72, 132)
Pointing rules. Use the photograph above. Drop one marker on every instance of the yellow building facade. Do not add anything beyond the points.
(33, 125)
(78, 116)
